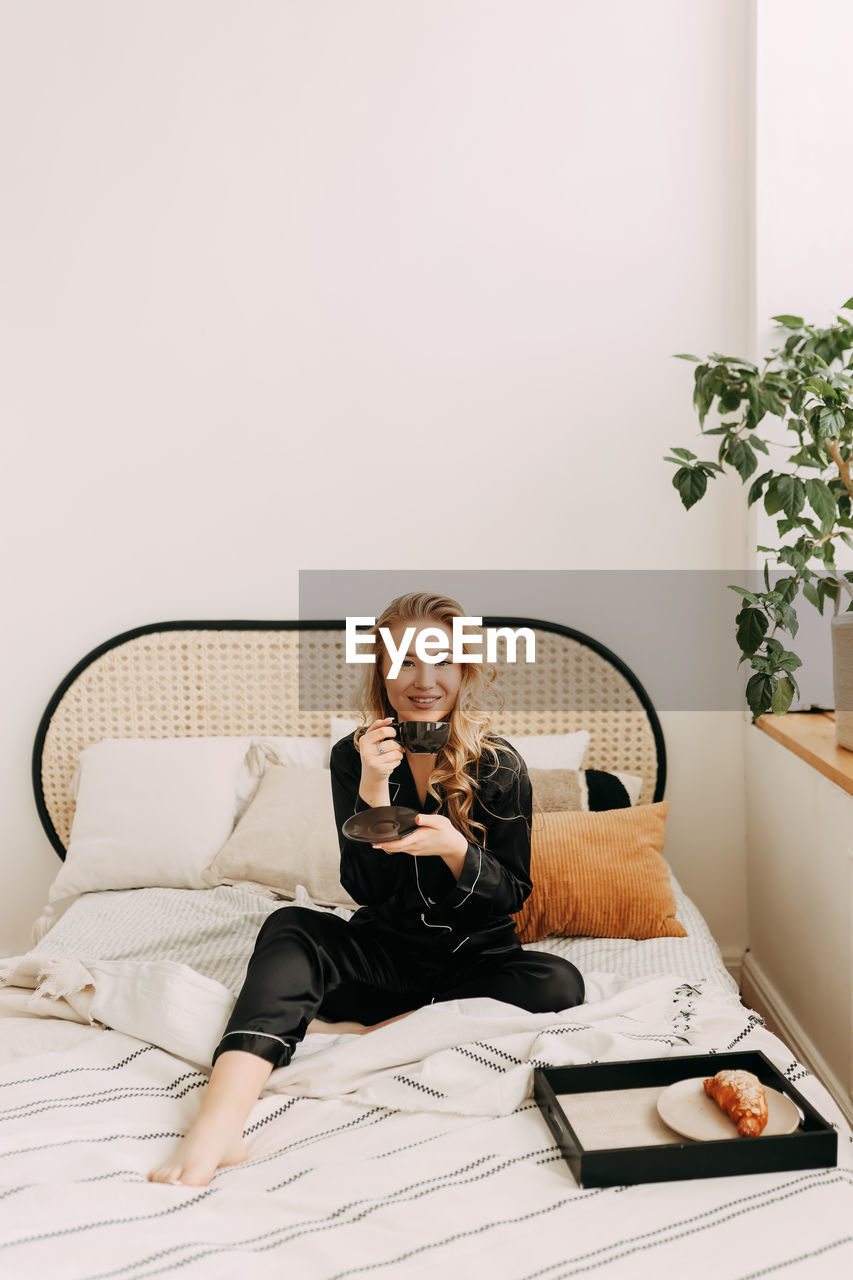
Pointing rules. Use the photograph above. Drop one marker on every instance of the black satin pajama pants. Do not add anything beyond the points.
(308, 964)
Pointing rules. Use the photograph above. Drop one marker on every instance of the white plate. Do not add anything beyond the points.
(686, 1108)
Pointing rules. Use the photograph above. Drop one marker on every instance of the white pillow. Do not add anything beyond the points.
(341, 728)
(288, 837)
(150, 812)
(298, 753)
(552, 750)
(632, 784)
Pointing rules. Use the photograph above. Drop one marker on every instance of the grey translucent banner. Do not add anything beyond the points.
(674, 628)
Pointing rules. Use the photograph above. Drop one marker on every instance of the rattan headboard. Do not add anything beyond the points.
(194, 679)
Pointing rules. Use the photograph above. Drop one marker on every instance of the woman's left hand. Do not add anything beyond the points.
(435, 835)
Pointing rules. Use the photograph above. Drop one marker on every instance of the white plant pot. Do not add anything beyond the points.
(842, 678)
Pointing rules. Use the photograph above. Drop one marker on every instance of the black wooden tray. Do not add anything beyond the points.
(812, 1145)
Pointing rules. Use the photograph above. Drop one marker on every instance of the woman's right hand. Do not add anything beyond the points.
(377, 766)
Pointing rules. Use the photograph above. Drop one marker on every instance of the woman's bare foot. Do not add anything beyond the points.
(206, 1148)
(216, 1137)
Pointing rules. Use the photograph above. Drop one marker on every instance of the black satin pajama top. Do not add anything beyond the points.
(416, 901)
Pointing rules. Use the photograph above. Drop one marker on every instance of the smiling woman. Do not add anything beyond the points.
(424, 689)
(436, 920)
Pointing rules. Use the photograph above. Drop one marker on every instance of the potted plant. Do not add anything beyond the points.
(806, 383)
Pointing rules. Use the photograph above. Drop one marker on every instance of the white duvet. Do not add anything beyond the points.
(414, 1148)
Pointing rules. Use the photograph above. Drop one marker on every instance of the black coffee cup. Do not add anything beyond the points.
(422, 737)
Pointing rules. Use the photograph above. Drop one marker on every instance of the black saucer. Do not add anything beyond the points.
(375, 826)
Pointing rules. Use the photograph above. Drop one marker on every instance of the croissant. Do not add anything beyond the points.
(741, 1096)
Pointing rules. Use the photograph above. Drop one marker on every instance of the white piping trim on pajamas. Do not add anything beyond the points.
(265, 1034)
(427, 902)
(436, 926)
(476, 878)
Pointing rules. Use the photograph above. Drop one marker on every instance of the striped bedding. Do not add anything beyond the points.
(214, 931)
(374, 1175)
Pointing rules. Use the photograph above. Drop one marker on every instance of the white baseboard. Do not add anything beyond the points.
(760, 993)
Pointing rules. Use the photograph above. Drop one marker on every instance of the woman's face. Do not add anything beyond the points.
(422, 690)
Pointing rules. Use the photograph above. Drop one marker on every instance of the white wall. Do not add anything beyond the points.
(803, 185)
(803, 237)
(271, 268)
(798, 822)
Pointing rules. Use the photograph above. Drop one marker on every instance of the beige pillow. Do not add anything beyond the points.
(573, 789)
(286, 837)
(600, 875)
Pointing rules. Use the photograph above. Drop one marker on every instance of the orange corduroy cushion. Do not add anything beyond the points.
(600, 875)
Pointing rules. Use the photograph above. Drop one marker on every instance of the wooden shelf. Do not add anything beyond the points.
(811, 736)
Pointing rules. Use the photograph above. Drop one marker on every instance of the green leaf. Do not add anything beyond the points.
(805, 457)
(799, 522)
(772, 500)
(758, 443)
(681, 356)
(759, 694)
(783, 697)
(742, 458)
(848, 305)
(747, 595)
(756, 408)
(792, 495)
(757, 487)
(787, 661)
(703, 392)
(752, 627)
(786, 618)
(773, 404)
(790, 322)
(822, 501)
(684, 454)
(831, 422)
(788, 588)
(793, 557)
(813, 596)
(691, 483)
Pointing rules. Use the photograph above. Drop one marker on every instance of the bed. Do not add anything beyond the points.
(415, 1147)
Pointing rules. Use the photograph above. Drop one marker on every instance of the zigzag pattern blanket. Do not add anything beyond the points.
(392, 1154)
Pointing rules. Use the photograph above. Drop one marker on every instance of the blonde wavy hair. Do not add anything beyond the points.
(470, 739)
